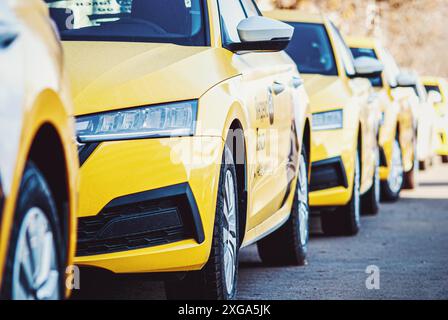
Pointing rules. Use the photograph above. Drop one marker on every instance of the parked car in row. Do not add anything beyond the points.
(194, 133)
(437, 89)
(427, 125)
(344, 151)
(38, 159)
(189, 130)
(398, 130)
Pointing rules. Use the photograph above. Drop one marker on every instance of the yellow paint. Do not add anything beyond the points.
(442, 113)
(46, 102)
(230, 88)
(360, 117)
(398, 114)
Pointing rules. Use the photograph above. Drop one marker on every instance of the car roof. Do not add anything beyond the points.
(295, 16)
(431, 80)
(361, 42)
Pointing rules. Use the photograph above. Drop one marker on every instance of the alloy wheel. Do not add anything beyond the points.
(35, 267)
(229, 232)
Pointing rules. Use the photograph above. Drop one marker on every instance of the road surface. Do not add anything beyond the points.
(407, 243)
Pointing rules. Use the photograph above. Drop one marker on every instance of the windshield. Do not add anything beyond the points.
(171, 21)
(311, 49)
(366, 52)
(435, 88)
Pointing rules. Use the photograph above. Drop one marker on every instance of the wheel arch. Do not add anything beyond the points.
(360, 148)
(47, 153)
(235, 140)
(307, 144)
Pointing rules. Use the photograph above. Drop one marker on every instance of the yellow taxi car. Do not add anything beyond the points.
(38, 158)
(194, 132)
(397, 136)
(426, 124)
(437, 89)
(345, 121)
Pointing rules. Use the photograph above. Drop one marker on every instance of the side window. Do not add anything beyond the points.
(250, 8)
(344, 51)
(231, 13)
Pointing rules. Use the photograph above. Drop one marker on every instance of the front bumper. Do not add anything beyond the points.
(332, 168)
(149, 205)
(442, 146)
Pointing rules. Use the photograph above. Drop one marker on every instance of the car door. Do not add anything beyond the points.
(12, 91)
(289, 99)
(361, 91)
(405, 98)
(263, 90)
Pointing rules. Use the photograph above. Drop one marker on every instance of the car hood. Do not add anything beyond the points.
(115, 75)
(323, 91)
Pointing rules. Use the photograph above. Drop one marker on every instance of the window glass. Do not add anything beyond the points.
(231, 13)
(311, 50)
(173, 21)
(367, 52)
(433, 88)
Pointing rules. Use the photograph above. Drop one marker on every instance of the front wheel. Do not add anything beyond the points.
(346, 220)
(288, 245)
(444, 159)
(371, 200)
(35, 257)
(391, 188)
(411, 177)
(218, 279)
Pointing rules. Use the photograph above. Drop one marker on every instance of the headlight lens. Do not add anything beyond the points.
(176, 119)
(329, 120)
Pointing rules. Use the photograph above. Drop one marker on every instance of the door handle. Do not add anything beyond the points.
(7, 36)
(277, 88)
(296, 82)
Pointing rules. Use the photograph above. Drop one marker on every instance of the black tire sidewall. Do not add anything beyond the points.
(33, 192)
(217, 241)
(302, 249)
(386, 193)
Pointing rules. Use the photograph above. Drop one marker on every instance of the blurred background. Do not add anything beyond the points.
(415, 31)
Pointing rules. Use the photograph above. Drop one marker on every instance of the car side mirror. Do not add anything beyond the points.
(406, 80)
(259, 33)
(367, 67)
(434, 97)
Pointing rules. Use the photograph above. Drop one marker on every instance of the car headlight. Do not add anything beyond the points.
(174, 119)
(328, 120)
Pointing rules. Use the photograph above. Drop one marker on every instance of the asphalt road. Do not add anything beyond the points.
(407, 242)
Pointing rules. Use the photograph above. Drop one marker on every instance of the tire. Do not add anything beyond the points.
(422, 165)
(288, 245)
(35, 214)
(411, 177)
(444, 159)
(345, 221)
(370, 202)
(218, 279)
(391, 188)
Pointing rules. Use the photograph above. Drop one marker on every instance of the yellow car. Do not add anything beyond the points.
(345, 121)
(39, 161)
(426, 125)
(437, 89)
(397, 136)
(194, 132)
